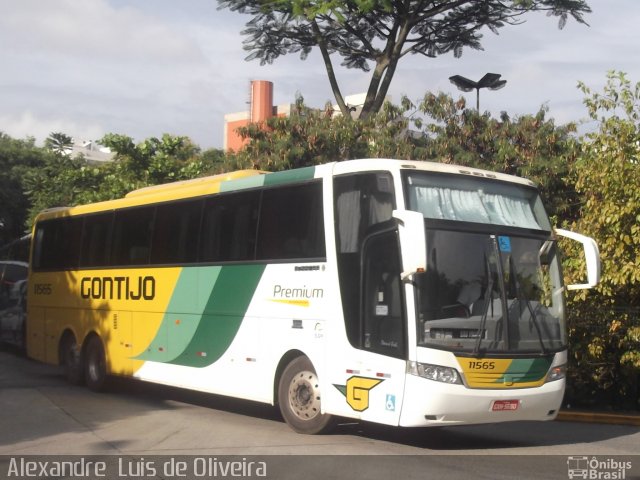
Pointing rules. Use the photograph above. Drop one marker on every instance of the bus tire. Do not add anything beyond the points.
(71, 358)
(95, 365)
(299, 398)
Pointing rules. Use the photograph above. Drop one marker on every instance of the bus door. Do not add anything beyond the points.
(369, 373)
(373, 373)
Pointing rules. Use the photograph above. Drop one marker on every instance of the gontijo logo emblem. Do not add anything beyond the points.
(357, 391)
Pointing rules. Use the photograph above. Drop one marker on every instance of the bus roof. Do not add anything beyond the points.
(208, 183)
(242, 179)
(348, 166)
(226, 182)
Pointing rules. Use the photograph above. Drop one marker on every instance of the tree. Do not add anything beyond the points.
(58, 143)
(65, 181)
(379, 33)
(438, 128)
(312, 137)
(16, 158)
(604, 323)
(151, 162)
(530, 146)
(58, 182)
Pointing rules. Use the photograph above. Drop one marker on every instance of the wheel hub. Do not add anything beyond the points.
(304, 395)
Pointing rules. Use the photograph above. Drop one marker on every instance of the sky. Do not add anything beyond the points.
(148, 67)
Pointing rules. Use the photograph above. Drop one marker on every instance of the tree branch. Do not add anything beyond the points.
(329, 68)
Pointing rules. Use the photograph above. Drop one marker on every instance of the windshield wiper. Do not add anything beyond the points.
(521, 297)
(488, 295)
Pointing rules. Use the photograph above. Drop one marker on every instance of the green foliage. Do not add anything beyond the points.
(16, 158)
(58, 143)
(607, 177)
(439, 128)
(62, 181)
(152, 161)
(312, 137)
(65, 181)
(530, 146)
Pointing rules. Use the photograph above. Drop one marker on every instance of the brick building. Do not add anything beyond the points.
(261, 108)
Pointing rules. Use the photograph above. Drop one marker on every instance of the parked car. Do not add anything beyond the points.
(13, 301)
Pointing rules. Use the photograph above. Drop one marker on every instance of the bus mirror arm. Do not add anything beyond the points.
(413, 244)
(592, 257)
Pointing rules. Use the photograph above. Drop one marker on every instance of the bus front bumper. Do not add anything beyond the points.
(431, 403)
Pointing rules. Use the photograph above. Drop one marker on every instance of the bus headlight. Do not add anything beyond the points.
(434, 372)
(557, 373)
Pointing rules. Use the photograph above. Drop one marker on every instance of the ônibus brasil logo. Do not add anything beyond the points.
(592, 468)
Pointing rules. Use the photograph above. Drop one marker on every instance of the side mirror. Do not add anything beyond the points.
(592, 257)
(413, 242)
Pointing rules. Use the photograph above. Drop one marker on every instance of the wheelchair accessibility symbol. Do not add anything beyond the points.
(391, 403)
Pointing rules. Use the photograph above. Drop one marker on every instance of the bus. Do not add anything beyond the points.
(405, 293)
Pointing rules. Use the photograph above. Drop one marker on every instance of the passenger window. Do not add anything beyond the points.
(229, 227)
(132, 236)
(291, 223)
(58, 244)
(175, 237)
(95, 240)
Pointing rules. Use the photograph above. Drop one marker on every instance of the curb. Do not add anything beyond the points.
(591, 417)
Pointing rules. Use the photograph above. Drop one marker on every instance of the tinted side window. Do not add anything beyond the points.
(383, 312)
(58, 244)
(292, 223)
(132, 236)
(95, 240)
(176, 230)
(229, 227)
(361, 201)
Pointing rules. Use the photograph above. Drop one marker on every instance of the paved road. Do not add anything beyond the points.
(41, 414)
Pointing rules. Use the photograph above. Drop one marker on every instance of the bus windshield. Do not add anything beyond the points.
(492, 284)
(476, 200)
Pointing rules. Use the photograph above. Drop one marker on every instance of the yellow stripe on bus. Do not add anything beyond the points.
(297, 303)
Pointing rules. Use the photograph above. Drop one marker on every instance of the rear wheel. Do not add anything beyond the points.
(299, 398)
(95, 365)
(72, 360)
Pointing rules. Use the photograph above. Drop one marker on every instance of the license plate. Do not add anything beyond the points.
(505, 405)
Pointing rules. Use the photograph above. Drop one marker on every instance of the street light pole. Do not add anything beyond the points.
(490, 80)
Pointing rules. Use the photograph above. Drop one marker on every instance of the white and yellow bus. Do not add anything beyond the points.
(399, 292)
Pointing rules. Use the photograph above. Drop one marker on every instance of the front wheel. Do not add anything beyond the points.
(95, 367)
(300, 400)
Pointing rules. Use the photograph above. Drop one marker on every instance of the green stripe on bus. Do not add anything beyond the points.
(523, 370)
(177, 328)
(289, 176)
(269, 179)
(223, 315)
(242, 183)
